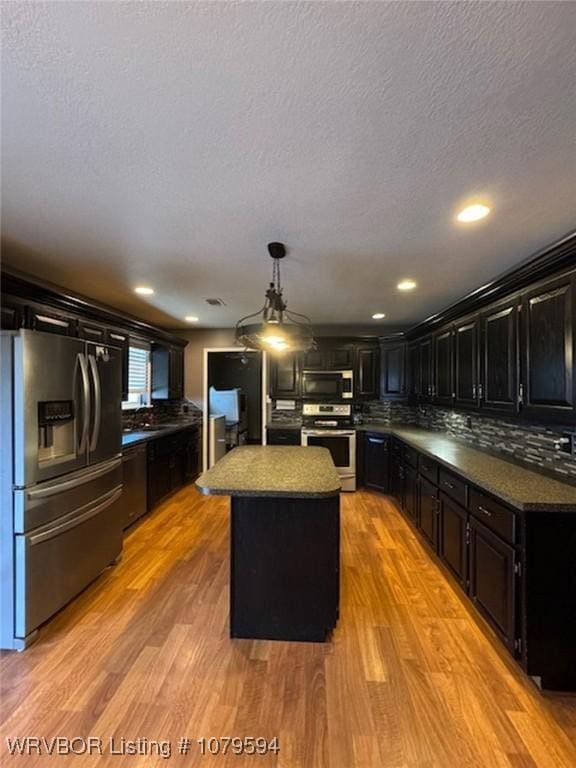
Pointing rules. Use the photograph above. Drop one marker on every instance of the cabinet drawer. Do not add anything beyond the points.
(284, 437)
(428, 468)
(453, 486)
(494, 515)
(410, 456)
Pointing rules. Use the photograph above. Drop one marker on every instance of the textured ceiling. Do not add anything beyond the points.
(167, 143)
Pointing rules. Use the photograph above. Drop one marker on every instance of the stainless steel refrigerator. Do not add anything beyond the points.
(60, 475)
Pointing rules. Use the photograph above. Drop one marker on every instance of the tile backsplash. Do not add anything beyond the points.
(162, 412)
(529, 444)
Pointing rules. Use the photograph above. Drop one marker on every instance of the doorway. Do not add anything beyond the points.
(235, 386)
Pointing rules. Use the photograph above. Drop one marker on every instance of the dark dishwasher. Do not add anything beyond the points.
(134, 494)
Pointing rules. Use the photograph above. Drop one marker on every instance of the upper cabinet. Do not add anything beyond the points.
(549, 355)
(393, 370)
(167, 372)
(466, 360)
(413, 386)
(329, 356)
(367, 372)
(499, 390)
(426, 370)
(443, 390)
(285, 376)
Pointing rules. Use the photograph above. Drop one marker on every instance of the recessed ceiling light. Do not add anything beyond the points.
(473, 212)
(378, 316)
(406, 285)
(144, 290)
(191, 319)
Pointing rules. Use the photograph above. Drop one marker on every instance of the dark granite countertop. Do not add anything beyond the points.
(272, 470)
(141, 436)
(518, 486)
(284, 425)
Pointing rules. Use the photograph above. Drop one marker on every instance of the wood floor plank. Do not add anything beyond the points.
(411, 678)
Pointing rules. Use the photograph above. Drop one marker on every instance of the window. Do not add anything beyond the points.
(139, 394)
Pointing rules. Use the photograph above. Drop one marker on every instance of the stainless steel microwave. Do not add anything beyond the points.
(333, 385)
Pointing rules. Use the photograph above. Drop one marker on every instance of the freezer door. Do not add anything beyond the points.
(55, 563)
(105, 433)
(47, 502)
(51, 406)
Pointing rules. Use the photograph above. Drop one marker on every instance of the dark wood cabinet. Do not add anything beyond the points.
(285, 376)
(167, 372)
(366, 372)
(499, 358)
(443, 368)
(329, 356)
(549, 348)
(426, 370)
(492, 580)
(376, 462)
(172, 461)
(393, 371)
(92, 331)
(466, 362)
(314, 360)
(341, 358)
(283, 437)
(191, 456)
(452, 538)
(121, 340)
(413, 386)
(428, 512)
(397, 474)
(411, 484)
(40, 318)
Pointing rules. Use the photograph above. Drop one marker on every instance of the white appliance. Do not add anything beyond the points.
(330, 426)
(217, 439)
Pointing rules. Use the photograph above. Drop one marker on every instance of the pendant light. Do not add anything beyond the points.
(275, 328)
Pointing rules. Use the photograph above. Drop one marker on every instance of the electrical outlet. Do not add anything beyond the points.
(566, 443)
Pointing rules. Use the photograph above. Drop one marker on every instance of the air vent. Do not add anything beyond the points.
(216, 302)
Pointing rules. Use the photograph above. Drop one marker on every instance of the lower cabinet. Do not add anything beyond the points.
(172, 462)
(516, 568)
(376, 464)
(492, 580)
(411, 484)
(134, 481)
(284, 437)
(397, 476)
(453, 538)
(429, 512)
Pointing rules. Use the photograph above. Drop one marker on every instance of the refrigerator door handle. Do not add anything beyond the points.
(59, 487)
(97, 402)
(105, 501)
(85, 402)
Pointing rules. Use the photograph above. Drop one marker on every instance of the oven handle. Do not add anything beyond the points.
(324, 432)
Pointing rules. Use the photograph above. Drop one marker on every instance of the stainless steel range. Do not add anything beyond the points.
(331, 426)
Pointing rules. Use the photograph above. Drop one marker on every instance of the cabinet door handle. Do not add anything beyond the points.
(484, 511)
(375, 440)
(473, 391)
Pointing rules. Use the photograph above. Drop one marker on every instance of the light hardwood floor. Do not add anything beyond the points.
(410, 679)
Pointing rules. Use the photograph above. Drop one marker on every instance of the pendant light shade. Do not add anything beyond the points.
(275, 328)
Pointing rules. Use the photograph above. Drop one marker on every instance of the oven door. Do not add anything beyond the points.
(340, 442)
(322, 385)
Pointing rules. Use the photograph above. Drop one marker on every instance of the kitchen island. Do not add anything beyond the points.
(285, 540)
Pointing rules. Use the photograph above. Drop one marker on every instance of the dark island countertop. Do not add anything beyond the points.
(519, 486)
(272, 470)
